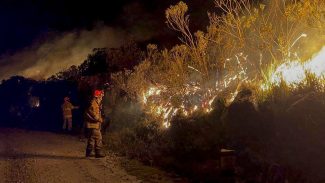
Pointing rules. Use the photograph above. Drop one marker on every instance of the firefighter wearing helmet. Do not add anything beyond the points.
(67, 108)
(93, 120)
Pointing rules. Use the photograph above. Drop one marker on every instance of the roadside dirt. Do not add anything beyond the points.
(44, 157)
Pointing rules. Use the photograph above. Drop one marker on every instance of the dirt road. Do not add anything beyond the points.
(43, 157)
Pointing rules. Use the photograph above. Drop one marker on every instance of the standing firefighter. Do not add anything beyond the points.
(93, 120)
(67, 108)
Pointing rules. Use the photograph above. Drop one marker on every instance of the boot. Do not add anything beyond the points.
(88, 152)
(99, 154)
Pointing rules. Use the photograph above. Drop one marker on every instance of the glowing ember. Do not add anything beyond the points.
(194, 97)
(255, 40)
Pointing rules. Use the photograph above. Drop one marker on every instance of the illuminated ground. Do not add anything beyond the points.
(39, 157)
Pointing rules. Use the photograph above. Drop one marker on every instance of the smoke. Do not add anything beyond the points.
(58, 51)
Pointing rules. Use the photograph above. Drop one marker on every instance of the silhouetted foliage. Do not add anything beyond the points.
(71, 74)
(126, 57)
(104, 60)
(95, 63)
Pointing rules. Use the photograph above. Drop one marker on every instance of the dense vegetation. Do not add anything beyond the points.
(276, 134)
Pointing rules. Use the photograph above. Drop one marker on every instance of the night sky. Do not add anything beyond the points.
(26, 25)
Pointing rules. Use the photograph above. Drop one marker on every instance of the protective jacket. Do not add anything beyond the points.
(93, 117)
(67, 109)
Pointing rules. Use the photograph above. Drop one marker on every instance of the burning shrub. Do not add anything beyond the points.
(195, 90)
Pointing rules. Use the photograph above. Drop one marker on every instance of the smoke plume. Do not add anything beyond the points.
(58, 51)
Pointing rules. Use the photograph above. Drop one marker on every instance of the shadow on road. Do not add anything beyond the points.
(38, 156)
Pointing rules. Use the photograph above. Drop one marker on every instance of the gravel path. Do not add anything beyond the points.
(43, 157)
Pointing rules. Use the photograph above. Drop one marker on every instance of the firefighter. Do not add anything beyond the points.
(67, 108)
(93, 120)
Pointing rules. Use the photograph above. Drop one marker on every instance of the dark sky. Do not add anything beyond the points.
(25, 20)
(36, 32)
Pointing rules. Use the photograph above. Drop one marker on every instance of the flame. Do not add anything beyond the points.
(195, 97)
(293, 73)
(317, 65)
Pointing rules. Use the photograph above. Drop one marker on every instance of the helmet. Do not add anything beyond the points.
(98, 93)
(66, 98)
